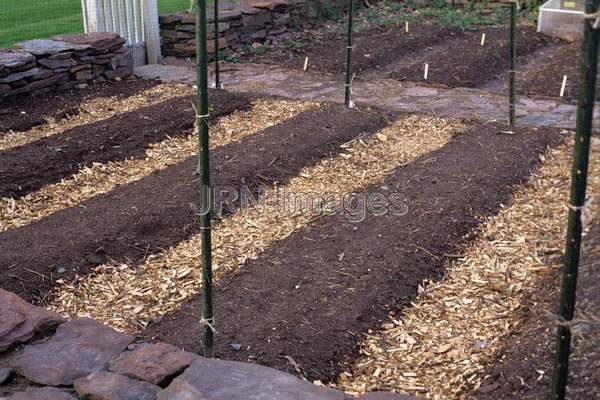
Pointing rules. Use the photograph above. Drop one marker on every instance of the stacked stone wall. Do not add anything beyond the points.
(63, 62)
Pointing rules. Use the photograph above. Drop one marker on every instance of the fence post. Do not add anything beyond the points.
(349, 48)
(511, 62)
(152, 29)
(583, 132)
(204, 175)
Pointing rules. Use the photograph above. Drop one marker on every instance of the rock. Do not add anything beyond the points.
(168, 19)
(41, 47)
(98, 70)
(5, 373)
(40, 84)
(111, 386)
(45, 393)
(152, 362)
(44, 74)
(78, 348)
(21, 321)
(80, 67)
(119, 73)
(257, 20)
(99, 41)
(17, 76)
(281, 19)
(15, 59)
(84, 75)
(4, 90)
(57, 63)
(213, 379)
(186, 18)
(229, 15)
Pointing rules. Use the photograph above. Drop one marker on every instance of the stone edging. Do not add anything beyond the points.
(84, 359)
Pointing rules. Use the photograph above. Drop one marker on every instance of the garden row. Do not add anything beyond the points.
(290, 322)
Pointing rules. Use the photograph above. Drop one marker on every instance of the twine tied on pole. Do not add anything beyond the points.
(581, 209)
(596, 17)
(208, 323)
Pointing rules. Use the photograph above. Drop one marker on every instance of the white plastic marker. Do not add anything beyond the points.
(483, 38)
(563, 86)
(305, 63)
(406, 26)
(426, 71)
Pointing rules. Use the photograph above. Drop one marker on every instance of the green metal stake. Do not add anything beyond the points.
(348, 93)
(511, 63)
(204, 174)
(585, 111)
(216, 55)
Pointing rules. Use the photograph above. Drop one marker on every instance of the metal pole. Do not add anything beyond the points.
(216, 55)
(511, 63)
(204, 175)
(585, 111)
(348, 92)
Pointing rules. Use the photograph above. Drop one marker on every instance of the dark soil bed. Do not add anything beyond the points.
(546, 78)
(523, 368)
(464, 62)
(455, 57)
(29, 167)
(303, 305)
(373, 50)
(25, 112)
(157, 211)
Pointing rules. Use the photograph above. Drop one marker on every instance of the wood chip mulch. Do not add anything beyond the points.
(128, 297)
(439, 346)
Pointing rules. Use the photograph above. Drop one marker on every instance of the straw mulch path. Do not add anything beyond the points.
(129, 297)
(440, 345)
(94, 110)
(102, 178)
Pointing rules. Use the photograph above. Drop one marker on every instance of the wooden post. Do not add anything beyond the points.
(152, 30)
(93, 16)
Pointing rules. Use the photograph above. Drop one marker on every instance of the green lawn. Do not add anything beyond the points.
(31, 19)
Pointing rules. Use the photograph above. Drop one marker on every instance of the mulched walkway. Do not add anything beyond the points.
(48, 160)
(524, 367)
(25, 112)
(149, 215)
(304, 303)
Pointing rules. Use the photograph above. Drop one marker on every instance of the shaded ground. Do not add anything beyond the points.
(546, 78)
(29, 167)
(463, 62)
(523, 368)
(25, 112)
(373, 50)
(302, 305)
(455, 57)
(156, 212)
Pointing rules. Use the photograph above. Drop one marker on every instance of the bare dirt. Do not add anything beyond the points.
(373, 50)
(455, 56)
(22, 113)
(156, 212)
(303, 305)
(48, 160)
